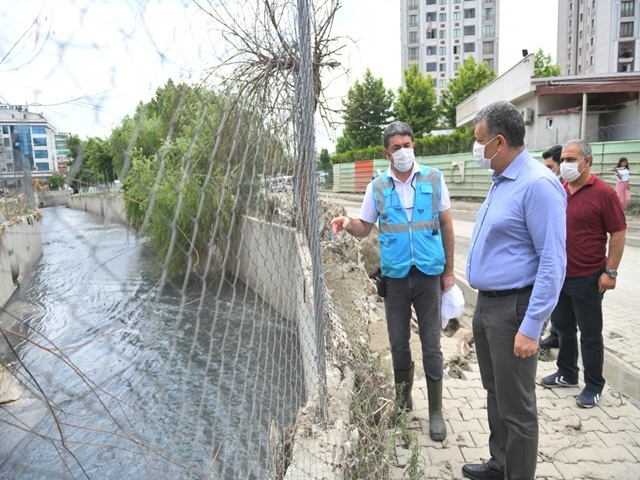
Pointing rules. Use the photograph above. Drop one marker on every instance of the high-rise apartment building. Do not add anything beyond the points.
(439, 35)
(598, 36)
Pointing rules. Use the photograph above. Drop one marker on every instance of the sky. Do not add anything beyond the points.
(85, 64)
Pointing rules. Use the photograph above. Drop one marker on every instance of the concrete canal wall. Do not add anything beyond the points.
(20, 249)
(109, 207)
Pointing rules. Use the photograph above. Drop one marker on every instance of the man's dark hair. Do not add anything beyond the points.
(505, 119)
(396, 128)
(554, 152)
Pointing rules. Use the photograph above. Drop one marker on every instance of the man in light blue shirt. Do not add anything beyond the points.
(517, 262)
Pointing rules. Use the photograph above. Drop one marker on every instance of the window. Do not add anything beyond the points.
(38, 129)
(413, 54)
(432, 32)
(487, 48)
(625, 50)
(456, 66)
(489, 62)
(443, 67)
(8, 155)
(443, 51)
(431, 16)
(443, 33)
(39, 141)
(442, 83)
(489, 30)
(431, 2)
(469, 13)
(469, 29)
(456, 33)
(412, 4)
(413, 37)
(489, 13)
(5, 129)
(442, 17)
(431, 50)
(456, 49)
(457, 16)
(626, 29)
(413, 20)
(40, 153)
(7, 142)
(627, 9)
(432, 66)
(469, 47)
(43, 167)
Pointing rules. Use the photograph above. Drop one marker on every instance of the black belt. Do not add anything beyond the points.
(504, 293)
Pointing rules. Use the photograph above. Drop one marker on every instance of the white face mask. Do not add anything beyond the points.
(403, 159)
(570, 171)
(478, 154)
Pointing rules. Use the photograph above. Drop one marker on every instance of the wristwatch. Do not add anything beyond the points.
(612, 273)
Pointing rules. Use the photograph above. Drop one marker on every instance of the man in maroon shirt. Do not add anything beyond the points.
(593, 211)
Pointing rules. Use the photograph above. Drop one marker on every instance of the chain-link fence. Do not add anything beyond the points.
(199, 339)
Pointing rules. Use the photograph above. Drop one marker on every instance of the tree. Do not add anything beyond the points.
(325, 160)
(263, 54)
(99, 160)
(544, 66)
(73, 145)
(471, 78)
(416, 103)
(367, 110)
(189, 152)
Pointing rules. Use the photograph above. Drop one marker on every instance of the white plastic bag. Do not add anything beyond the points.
(452, 304)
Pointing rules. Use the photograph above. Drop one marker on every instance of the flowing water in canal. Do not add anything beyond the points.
(143, 383)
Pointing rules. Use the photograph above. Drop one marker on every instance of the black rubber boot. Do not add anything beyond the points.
(437, 427)
(404, 384)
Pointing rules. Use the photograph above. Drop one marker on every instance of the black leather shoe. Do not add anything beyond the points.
(480, 471)
(550, 341)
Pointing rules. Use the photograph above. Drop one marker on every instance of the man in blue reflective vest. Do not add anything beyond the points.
(411, 204)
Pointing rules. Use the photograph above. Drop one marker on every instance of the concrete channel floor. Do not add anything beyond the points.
(575, 443)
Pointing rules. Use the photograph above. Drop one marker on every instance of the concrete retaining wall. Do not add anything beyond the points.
(272, 260)
(109, 207)
(20, 249)
(52, 198)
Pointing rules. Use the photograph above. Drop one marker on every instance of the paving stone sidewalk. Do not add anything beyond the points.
(601, 443)
(575, 443)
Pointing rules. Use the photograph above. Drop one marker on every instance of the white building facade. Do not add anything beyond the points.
(27, 141)
(439, 35)
(597, 37)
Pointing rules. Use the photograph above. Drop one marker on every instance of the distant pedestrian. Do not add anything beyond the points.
(594, 216)
(622, 181)
(516, 261)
